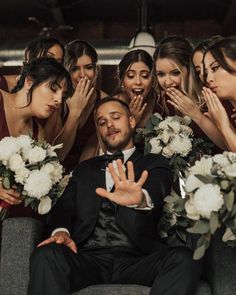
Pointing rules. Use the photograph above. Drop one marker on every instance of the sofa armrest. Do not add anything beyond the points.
(19, 237)
(220, 267)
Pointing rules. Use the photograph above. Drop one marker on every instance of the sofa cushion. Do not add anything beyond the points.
(114, 290)
(19, 238)
(203, 289)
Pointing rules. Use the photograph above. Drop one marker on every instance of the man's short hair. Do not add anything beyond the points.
(112, 99)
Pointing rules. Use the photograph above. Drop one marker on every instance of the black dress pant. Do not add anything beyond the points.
(56, 270)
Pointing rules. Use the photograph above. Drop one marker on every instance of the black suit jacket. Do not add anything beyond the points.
(78, 208)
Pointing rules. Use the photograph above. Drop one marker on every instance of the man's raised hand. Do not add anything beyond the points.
(127, 192)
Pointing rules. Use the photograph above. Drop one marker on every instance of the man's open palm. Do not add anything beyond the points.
(127, 191)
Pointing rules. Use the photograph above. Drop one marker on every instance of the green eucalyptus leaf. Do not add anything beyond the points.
(202, 178)
(28, 201)
(233, 211)
(199, 252)
(229, 200)
(201, 241)
(6, 182)
(171, 198)
(155, 120)
(214, 222)
(147, 131)
(179, 205)
(149, 125)
(224, 184)
(199, 227)
(147, 148)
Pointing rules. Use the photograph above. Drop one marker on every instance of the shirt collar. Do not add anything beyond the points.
(127, 153)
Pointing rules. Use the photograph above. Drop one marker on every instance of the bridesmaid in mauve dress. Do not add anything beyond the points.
(42, 86)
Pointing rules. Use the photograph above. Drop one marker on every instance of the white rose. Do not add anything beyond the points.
(38, 184)
(221, 160)
(8, 147)
(21, 175)
(165, 136)
(191, 210)
(16, 162)
(37, 154)
(49, 168)
(231, 170)
(231, 156)
(192, 182)
(163, 124)
(202, 167)
(181, 145)
(207, 198)
(186, 130)
(24, 142)
(167, 151)
(45, 205)
(156, 146)
(57, 172)
(175, 126)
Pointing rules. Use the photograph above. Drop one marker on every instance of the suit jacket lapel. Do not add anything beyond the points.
(134, 157)
(99, 177)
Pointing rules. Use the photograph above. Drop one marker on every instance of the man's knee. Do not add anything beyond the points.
(45, 253)
(182, 257)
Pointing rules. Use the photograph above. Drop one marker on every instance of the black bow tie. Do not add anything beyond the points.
(112, 157)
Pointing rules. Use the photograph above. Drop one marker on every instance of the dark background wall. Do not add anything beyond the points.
(108, 23)
(112, 20)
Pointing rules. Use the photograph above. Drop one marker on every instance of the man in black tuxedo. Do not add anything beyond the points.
(104, 227)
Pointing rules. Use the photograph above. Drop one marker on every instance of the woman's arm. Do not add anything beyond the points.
(218, 115)
(76, 105)
(189, 108)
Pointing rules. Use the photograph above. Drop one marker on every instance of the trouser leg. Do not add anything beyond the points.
(170, 272)
(56, 270)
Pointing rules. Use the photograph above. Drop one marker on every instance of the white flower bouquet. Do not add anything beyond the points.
(173, 138)
(33, 169)
(209, 202)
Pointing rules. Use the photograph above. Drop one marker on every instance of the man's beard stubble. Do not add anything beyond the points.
(120, 145)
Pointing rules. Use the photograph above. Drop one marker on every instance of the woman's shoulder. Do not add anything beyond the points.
(11, 81)
(4, 95)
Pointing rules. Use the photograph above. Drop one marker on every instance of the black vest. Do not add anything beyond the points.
(106, 233)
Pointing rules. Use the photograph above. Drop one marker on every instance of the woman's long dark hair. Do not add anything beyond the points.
(41, 70)
(195, 83)
(77, 48)
(39, 47)
(179, 50)
(226, 47)
(126, 62)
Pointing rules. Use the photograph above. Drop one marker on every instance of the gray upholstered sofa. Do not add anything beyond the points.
(20, 236)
